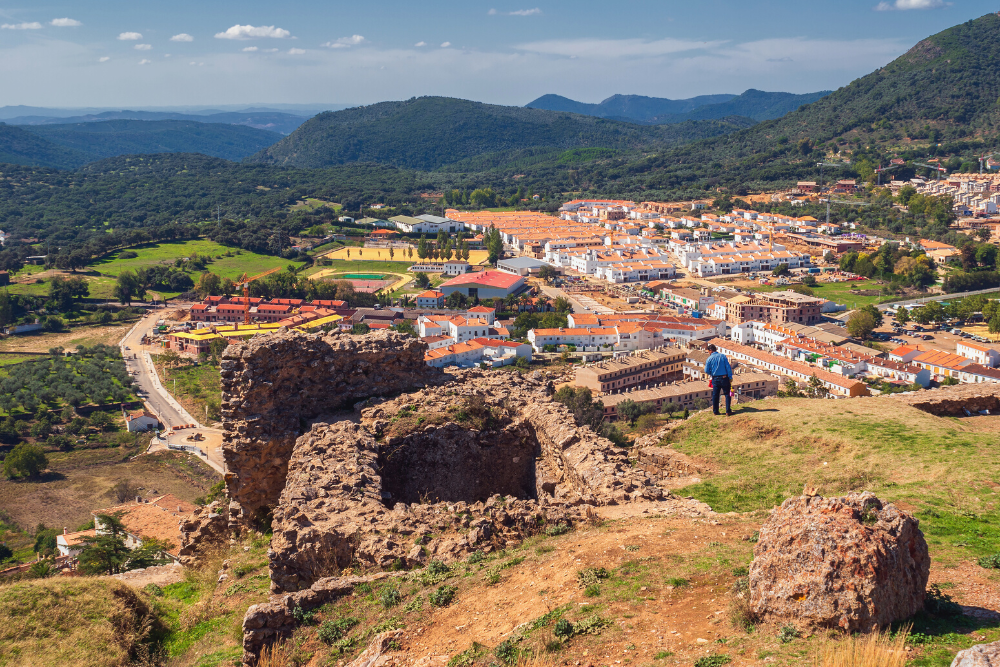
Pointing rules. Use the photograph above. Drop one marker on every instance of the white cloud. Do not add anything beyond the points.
(145, 62)
(65, 23)
(143, 47)
(103, 59)
(445, 45)
(249, 32)
(519, 12)
(345, 42)
(903, 5)
(183, 37)
(419, 44)
(250, 49)
(269, 50)
(130, 36)
(296, 52)
(34, 25)
(615, 48)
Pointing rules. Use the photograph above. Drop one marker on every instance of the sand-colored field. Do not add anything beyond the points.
(370, 254)
(401, 280)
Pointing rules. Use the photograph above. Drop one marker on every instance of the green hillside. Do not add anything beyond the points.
(433, 132)
(18, 146)
(128, 137)
(938, 99)
(755, 104)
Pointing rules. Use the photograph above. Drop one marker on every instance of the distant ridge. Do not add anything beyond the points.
(755, 104)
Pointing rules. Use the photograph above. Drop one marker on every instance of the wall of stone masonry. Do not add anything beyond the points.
(954, 400)
(273, 385)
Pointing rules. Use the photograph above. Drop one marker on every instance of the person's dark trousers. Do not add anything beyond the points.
(721, 384)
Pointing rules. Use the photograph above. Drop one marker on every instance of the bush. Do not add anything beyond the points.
(303, 617)
(990, 562)
(714, 660)
(787, 633)
(332, 631)
(390, 598)
(591, 576)
(443, 596)
(25, 460)
(557, 529)
(127, 254)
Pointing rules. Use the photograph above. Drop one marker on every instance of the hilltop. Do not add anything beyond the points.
(18, 146)
(434, 132)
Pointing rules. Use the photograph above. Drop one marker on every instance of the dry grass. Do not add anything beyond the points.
(80, 622)
(876, 649)
(81, 481)
(86, 335)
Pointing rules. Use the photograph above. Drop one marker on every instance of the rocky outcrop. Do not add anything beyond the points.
(375, 654)
(955, 400)
(272, 385)
(851, 563)
(663, 463)
(205, 527)
(980, 655)
(476, 465)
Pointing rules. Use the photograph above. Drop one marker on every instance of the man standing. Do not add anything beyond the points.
(718, 369)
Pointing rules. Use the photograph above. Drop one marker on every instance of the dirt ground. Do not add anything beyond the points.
(80, 481)
(88, 335)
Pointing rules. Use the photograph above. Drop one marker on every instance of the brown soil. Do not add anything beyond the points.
(87, 335)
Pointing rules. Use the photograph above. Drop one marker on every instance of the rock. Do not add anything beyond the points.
(954, 400)
(850, 563)
(980, 655)
(381, 644)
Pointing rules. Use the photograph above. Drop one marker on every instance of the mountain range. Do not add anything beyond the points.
(755, 104)
(275, 121)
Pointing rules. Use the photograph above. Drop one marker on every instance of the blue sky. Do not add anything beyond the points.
(186, 52)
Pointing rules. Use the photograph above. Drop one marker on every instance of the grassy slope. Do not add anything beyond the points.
(944, 469)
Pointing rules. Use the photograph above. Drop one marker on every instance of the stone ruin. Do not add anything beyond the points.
(364, 458)
(956, 400)
(851, 563)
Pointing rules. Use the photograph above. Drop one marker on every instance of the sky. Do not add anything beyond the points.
(131, 54)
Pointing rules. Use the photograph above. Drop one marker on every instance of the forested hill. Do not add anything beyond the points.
(755, 104)
(940, 98)
(433, 132)
(110, 138)
(18, 146)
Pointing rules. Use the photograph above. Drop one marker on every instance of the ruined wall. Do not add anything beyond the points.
(954, 400)
(272, 385)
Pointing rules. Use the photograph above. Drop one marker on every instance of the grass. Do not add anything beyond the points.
(377, 255)
(311, 204)
(85, 622)
(839, 292)
(944, 469)
(367, 266)
(198, 387)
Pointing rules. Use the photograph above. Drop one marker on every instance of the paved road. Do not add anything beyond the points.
(159, 400)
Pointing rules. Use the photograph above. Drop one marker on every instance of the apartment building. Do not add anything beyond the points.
(838, 385)
(775, 308)
(477, 351)
(633, 370)
(985, 356)
(672, 397)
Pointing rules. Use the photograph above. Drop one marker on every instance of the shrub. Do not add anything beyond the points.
(436, 568)
(591, 576)
(714, 660)
(303, 617)
(390, 598)
(332, 631)
(443, 596)
(787, 633)
(563, 629)
(557, 529)
(507, 651)
(592, 591)
(475, 557)
(990, 562)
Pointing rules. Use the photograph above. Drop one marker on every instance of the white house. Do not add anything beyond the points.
(140, 420)
(985, 356)
(71, 544)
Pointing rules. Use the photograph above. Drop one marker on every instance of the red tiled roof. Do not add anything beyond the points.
(485, 279)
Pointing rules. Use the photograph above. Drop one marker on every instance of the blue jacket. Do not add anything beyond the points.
(718, 365)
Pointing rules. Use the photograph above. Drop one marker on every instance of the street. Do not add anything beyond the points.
(158, 399)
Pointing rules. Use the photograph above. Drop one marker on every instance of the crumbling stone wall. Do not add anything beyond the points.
(273, 384)
(347, 503)
(954, 400)
(204, 528)
(664, 463)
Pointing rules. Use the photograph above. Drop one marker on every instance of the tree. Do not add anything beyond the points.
(465, 250)
(995, 324)
(209, 284)
(45, 540)
(107, 553)
(217, 346)
(6, 309)
(780, 270)
(875, 313)
(456, 300)
(128, 288)
(903, 315)
(563, 305)
(25, 460)
(360, 329)
(547, 273)
(5, 553)
(494, 245)
(392, 253)
(983, 234)
(816, 388)
(790, 390)
(829, 257)
(405, 327)
(860, 324)
(422, 247)
(102, 421)
(986, 255)
(421, 280)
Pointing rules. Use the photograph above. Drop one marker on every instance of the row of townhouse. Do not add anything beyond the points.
(625, 336)
(477, 322)
(641, 271)
(477, 351)
(233, 309)
(624, 372)
(838, 385)
(749, 263)
(683, 395)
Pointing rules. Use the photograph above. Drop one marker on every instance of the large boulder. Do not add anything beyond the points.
(852, 563)
(980, 655)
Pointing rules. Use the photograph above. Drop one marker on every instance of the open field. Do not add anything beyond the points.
(944, 469)
(311, 204)
(232, 266)
(368, 266)
(80, 481)
(382, 254)
(198, 387)
(839, 292)
(107, 334)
